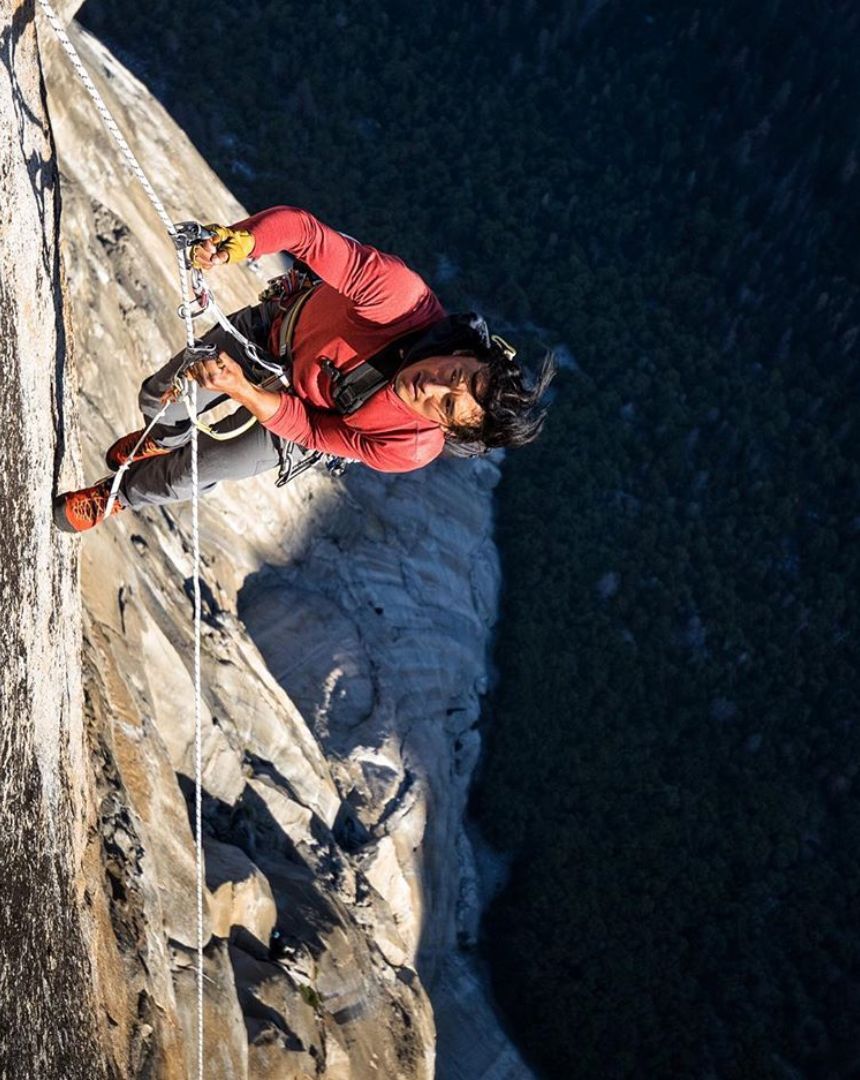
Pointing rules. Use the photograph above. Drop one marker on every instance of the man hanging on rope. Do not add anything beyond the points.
(377, 372)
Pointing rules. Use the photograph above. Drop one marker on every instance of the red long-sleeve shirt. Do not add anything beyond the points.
(367, 299)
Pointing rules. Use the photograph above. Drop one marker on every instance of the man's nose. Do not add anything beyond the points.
(443, 382)
(436, 383)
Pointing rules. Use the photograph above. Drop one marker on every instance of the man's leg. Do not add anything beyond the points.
(153, 480)
(158, 480)
(167, 479)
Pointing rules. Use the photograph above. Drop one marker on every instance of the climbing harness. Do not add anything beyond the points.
(291, 291)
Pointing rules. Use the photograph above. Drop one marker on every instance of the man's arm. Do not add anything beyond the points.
(381, 286)
(318, 429)
(287, 415)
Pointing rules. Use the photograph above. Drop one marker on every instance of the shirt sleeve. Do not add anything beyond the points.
(382, 287)
(317, 429)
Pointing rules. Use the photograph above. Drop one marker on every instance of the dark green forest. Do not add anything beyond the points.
(672, 194)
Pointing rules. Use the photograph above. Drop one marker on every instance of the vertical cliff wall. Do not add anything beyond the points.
(50, 1025)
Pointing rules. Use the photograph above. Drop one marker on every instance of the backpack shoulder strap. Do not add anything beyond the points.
(352, 389)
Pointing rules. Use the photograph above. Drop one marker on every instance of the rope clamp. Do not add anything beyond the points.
(181, 383)
(186, 233)
(195, 352)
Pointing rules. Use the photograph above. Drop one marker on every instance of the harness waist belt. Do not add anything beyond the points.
(288, 323)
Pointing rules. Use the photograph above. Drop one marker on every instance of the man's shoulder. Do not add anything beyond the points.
(425, 309)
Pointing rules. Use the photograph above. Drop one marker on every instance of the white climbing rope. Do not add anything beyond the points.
(109, 121)
(198, 734)
(185, 311)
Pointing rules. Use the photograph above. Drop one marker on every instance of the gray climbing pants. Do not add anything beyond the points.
(167, 478)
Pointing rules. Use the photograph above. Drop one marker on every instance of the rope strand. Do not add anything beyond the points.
(104, 112)
(198, 733)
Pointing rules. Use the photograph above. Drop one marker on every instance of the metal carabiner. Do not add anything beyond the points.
(336, 466)
(201, 297)
(179, 387)
(186, 310)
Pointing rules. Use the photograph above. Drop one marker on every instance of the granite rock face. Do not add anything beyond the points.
(51, 1013)
(344, 654)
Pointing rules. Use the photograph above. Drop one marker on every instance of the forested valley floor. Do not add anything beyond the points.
(671, 194)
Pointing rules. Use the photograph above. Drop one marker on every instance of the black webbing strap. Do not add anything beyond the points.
(352, 389)
(466, 331)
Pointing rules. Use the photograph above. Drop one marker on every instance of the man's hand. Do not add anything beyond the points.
(229, 245)
(222, 375)
(206, 256)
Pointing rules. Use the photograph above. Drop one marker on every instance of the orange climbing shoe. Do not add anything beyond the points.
(77, 511)
(117, 454)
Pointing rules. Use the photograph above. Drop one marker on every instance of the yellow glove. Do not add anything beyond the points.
(229, 245)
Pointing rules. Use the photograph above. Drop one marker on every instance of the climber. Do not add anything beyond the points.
(378, 373)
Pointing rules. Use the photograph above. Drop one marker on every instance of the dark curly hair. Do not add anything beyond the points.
(512, 415)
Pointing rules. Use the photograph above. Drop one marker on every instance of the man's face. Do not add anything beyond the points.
(444, 389)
